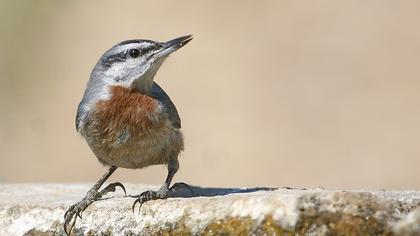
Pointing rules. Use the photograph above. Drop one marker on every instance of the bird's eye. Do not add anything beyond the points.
(134, 52)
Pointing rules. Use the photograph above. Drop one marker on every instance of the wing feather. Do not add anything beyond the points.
(159, 94)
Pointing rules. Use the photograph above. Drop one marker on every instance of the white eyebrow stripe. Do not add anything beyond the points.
(126, 47)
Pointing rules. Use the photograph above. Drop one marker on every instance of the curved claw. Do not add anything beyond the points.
(72, 225)
(65, 214)
(68, 229)
(122, 187)
(65, 229)
(135, 203)
(79, 214)
(74, 211)
(142, 198)
(112, 188)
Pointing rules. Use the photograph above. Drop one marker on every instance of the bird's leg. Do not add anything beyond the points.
(164, 190)
(92, 195)
(162, 193)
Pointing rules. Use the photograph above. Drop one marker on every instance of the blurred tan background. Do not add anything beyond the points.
(271, 93)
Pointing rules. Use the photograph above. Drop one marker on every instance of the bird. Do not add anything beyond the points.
(128, 120)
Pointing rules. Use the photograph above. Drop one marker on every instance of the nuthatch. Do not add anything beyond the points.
(127, 119)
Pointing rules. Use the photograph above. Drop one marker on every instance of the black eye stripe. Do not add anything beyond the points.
(148, 49)
(142, 51)
(118, 57)
(122, 56)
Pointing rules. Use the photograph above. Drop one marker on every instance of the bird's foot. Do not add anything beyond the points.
(145, 196)
(162, 193)
(77, 209)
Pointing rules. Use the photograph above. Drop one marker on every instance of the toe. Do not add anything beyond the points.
(138, 200)
(73, 212)
(142, 198)
(148, 196)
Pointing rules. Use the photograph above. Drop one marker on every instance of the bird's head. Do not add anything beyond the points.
(133, 63)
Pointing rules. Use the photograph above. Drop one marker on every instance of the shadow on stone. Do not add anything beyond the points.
(183, 191)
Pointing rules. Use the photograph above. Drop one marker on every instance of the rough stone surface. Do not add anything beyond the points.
(37, 209)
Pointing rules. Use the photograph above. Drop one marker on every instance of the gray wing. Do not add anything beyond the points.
(159, 94)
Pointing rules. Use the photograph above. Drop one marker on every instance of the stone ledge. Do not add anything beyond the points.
(37, 209)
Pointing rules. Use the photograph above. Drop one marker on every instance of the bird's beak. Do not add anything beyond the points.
(172, 45)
